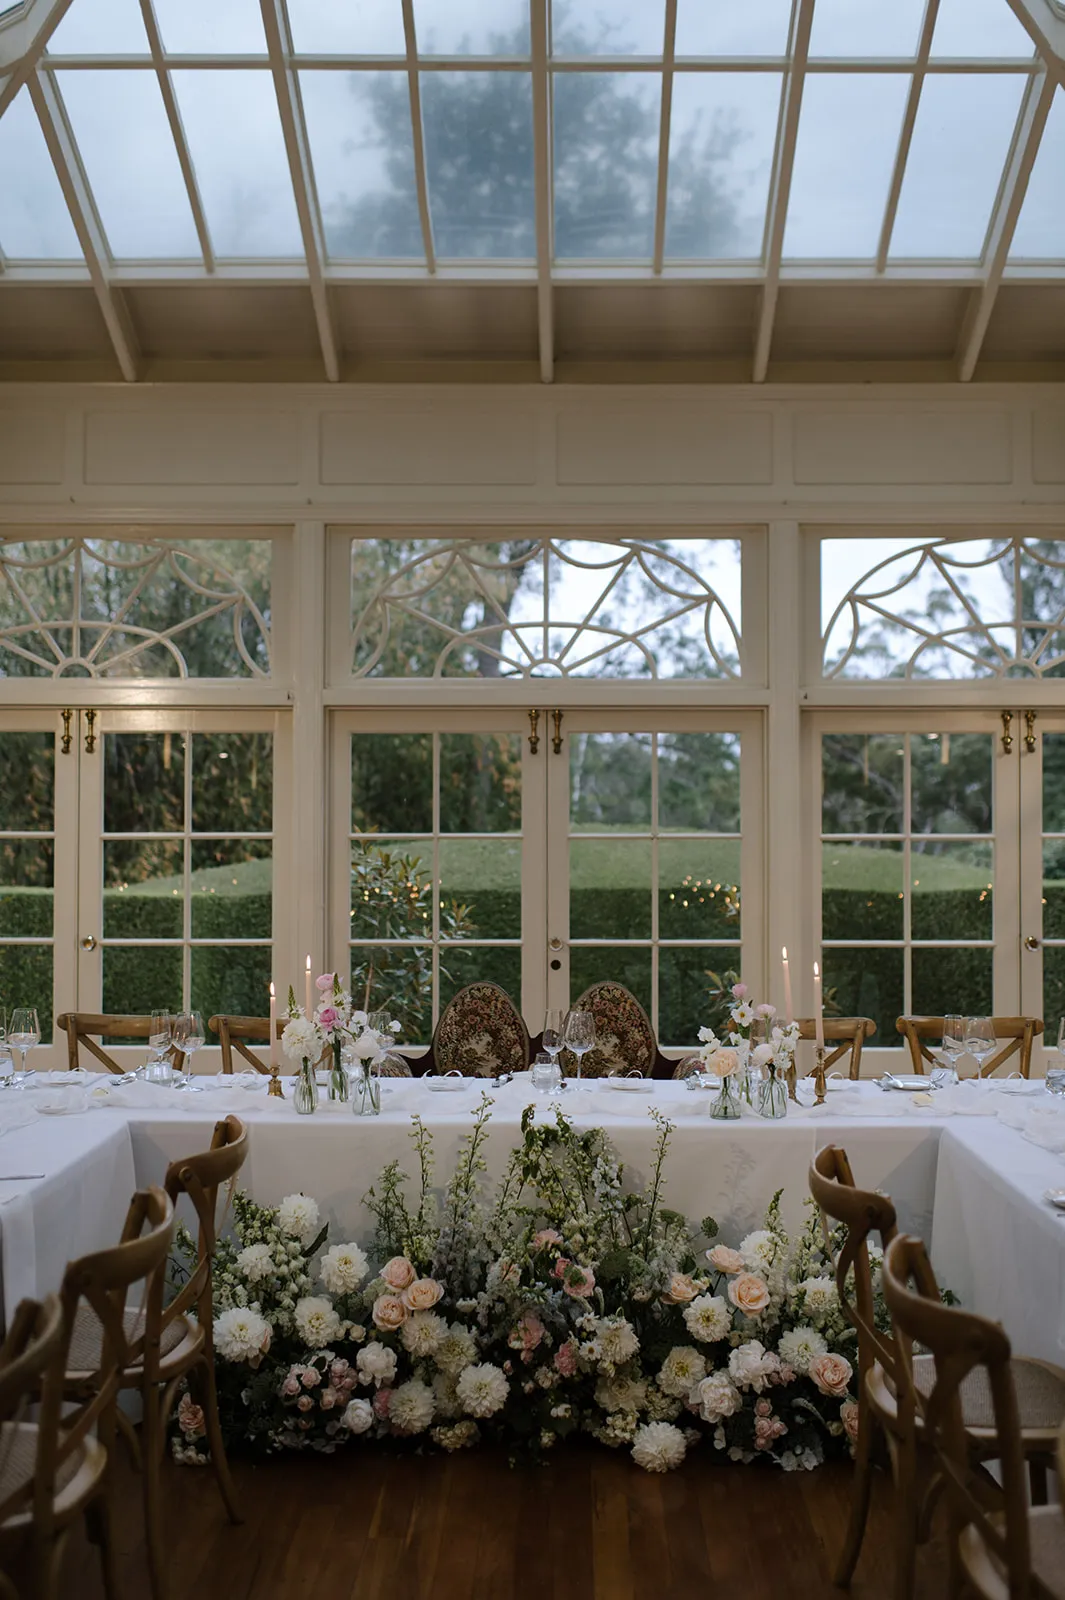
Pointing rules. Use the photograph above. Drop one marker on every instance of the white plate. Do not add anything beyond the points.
(1015, 1086)
(448, 1085)
(1056, 1198)
(908, 1082)
(630, 1085)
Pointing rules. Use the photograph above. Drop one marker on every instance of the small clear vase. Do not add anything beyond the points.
(366, 1089)
(773, 1094)
(339, 1087)
(727, 1103)
(305, 1094)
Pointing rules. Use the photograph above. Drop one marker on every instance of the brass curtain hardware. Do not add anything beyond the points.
(67, 739)
(1029, 731)
(90, 736)
(1007, 737)
(556, 742)
(534, 737)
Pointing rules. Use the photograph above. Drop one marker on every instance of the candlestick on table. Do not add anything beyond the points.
(789, 1012)
(273, 1026)
(819, 1019)
(819, 1075)
(307, 988)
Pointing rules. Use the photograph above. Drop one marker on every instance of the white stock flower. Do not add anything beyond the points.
(358, 1416)
(297, 1216)
(658, 1447)
(376, 1363)
(411, 1407)
(708, 1318)
(301, 1039)
(616, 1339)
(482, 1389)
(799, 1347)
(423, 1333)
(716, 1397)
(343, 1268)
(709, 1037)
(820, 1298)
(751, 1364)
(759, 1250)
(681, 1371)
(255, 1263)
(621, 1394)
(241, 1334)
(457, 1349)
(316, 1321)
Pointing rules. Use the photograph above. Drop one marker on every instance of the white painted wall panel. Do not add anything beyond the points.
(31, 447)
(1048, 446)
(191, 448)
(911, 444)
(443, 444)
(659, 442)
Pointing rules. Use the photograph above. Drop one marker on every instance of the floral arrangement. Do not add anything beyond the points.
(560, 1302)
(334, 1023)
(756, 1040)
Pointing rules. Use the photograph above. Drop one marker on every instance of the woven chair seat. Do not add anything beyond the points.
(86, 1343)
(1040, 1394)
(1046, 1537)
(18, 1459)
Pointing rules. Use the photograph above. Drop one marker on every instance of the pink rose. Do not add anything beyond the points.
(328, 1018)
(560, 1266)
(526, 1334)
(832, 1374)
(722, 1259)
(328, 1399)
(389, 1312)
(304, 1403)
(681, 1289)
(291, 1384)
(381, 1402)
(326, 981)
(398, 1273)
(311, 1377)
(766, 1429)
(578, 1281)
(338, 1371)
(546, 1237)
(422, 1294)
(566, 1359)
(190, 1417)
(784, 1374)
(748, 1293)
(763, 1408)
(848, 1415)
(738, 991)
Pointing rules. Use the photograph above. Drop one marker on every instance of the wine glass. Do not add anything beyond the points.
(951, 1049)
(24, 1034)
(578, 1036)
(188, 1035)
(159, 1068)
(554, 1022)
(980, 1040)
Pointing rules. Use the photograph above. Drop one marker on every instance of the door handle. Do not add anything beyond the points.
(1031, 943)
(88, 943)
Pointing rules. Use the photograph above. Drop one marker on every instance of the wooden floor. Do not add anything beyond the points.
(468, 1527)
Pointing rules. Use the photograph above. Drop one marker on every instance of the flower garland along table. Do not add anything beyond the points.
(554, 1302)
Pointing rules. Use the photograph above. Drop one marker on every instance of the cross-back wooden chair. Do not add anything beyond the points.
(81, 1026)
(1001, 1547)
(238, 1033)
(842, 1035)
(1019, 1034)
(50, 1475)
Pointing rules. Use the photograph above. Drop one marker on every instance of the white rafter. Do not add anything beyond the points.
(177, 130)
(668, 53)
(64, 154)
(1035, 108)
(23, 41)
(290, 106)
(541, 108)
(417, 123)
(1044, 21)
(780, 187)
(902, 154)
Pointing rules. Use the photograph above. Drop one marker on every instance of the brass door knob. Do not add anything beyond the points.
(88, 943)
(1031, 943)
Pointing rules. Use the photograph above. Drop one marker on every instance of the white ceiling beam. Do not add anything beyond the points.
(64, 154)
(1035, 108)
(1044, 23)
(417, 123)
(669, 51)
(290, 106)
(902, 154)
(542, 189)
(23, 40)
(177, 130)
(780, 186)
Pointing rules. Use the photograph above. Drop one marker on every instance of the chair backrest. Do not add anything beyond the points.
(31, 1366)
(480, 1033)
(862, 1213)
(625, 1039)
(200, 1177)
(236, 1033)
(845, 1034)
(959, 1342)
(80, 1026)
(1020, 1034)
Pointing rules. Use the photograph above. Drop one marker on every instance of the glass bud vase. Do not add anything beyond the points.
(305, 1094)
(773, 1093)
(339, 1087)
(726, 1104)
(366, 1089)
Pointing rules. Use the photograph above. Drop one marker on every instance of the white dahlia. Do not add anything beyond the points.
(799, 1347)
(411, 1407)
(423, 1332)
(242, 1334)
(482, 1389)
(681, 1371)
(343, 1268)
(708, 1318)
(759, 1251)
(298, 1217)
(317, 1322)
(616, 1339)
(456, 1350)
(820, 1297)
(255, 1263)
(658, 1447)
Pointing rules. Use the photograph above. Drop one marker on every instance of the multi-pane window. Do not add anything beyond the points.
(27, 871)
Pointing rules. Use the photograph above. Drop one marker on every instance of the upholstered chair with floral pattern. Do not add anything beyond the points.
(624, 1038)
(480, 1034)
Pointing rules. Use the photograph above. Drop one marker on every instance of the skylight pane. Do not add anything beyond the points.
(979, 28)
(234, 134)
(478, 159)
(358, 125)
(129, 157)
(35, 224)
(755, 28)
(225, 27)
(960, 144)
(608, 28)
(469, 27)
(100, 28)
(606, 164)
(721, 138)
(1040, 234)
(839, 185)
(326, 27)
(866, 27)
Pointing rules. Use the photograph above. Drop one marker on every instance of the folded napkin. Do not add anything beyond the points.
(247, 1081)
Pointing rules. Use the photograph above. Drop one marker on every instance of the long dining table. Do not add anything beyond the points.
(967, 1169)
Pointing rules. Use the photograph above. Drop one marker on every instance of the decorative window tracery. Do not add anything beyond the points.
(947, 608)
(82, 606)
(545, 607)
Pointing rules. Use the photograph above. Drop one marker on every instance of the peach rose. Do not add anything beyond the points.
(832, 1374)
(291, 1384)
(722, 1259)
(848, 1415)
(724, 1063)
(748, 1293)
(681, 1289)
(398, 1273)
(422, 1294)
(305, 1402)
(190, 1417)
(327, 1399)
(389, 1312)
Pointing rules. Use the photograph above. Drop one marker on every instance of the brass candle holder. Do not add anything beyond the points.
(819, 1076)
(275, 1088)
(791, 1076)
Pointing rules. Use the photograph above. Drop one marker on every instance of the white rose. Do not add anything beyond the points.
(751, 1365)
(343, 1268)
(376, 1363)
(716, 1397)
(658, 1447)
(242, 1334)
(358, 1416)
(482, 1389)
(423, 1333)
(708, 1318)
(298, 1217)
(681, 1371)
(411, 1407)
(301, 1039)
(317, 1322)
(255, 1263)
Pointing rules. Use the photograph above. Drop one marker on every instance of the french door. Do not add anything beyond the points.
(544, 851)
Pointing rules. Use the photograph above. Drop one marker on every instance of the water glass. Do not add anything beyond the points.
(545, 1074)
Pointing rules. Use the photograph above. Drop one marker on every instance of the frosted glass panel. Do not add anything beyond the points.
(35, 224)
(755, 28)
(609, 27)
(469, 27)
(839, 186)
(866, 27)
(1040, 231)
(478, 159)
(979, 28)
(325, 27)
(606, 163)
(129, 156)
(234, 132)
(722, 133)
(960, 143)
(100, 28)
(225, 27)
(359, 129)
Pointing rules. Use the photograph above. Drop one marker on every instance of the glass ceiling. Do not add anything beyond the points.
(165, 134)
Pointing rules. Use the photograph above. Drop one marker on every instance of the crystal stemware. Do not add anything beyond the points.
(980, 1040)
(578, 1035)
(159, 1068)
(188, 1035)
(554, 1022)
(24, 1034)
(951, 1049)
